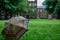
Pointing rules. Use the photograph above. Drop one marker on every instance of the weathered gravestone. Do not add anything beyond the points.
(15, 28)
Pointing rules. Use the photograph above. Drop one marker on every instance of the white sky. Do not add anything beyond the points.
(39, 2)
(31, 0)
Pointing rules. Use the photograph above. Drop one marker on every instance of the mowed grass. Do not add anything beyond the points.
(40, 29)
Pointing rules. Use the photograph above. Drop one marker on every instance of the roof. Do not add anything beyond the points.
(40, 6)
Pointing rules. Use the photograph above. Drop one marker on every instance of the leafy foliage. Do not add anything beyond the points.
(53, 6)
(50, 5)
(32, 10)
(57, 8)
(14, 5)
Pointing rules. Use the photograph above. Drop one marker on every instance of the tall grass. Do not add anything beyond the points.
(40, 29)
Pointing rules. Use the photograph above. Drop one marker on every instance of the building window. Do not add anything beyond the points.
(44, 10)
(38, 10)
(29, 4)
(41, 10)
(35, 4)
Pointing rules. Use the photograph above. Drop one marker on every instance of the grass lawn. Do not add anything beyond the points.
(40, 29)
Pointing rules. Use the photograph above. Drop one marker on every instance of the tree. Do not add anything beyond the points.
(13, 6)
(32, 11)
(57, 9)
(50, 6)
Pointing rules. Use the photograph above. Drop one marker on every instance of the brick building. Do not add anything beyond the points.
(41, 12)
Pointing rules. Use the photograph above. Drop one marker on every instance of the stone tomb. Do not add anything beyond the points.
(15, 28)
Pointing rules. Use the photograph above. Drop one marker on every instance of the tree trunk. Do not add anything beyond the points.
(6, 15)
(49, 16)
(10, 15)
(58, 16)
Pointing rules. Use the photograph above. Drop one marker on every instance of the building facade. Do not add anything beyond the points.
(32, 3)
(41, 12)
